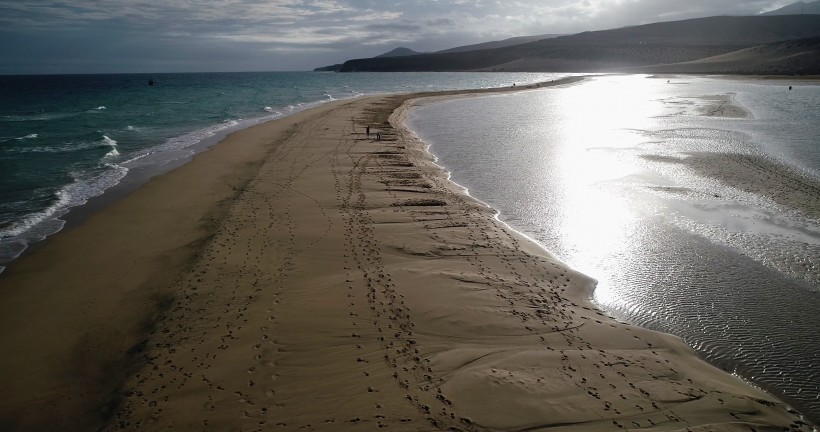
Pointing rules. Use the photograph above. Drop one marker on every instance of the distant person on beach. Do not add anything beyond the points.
(378, 136)
(790, 87)
(368, 131)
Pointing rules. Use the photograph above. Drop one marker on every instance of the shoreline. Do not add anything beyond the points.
(739, 335)
(328, 280)
(140, 175)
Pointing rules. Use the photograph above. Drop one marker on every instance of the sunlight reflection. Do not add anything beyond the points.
(672, 249)
(597, 124)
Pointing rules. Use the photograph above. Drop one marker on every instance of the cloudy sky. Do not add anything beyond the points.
(102, 36)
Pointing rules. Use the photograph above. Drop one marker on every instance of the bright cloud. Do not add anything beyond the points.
(72, 35)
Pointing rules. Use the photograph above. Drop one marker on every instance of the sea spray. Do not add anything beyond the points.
(112, 144)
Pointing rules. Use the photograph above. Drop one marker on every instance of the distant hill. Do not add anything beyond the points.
(332, 68)
(798, 8)
(499, 44)
(645, 45)
(797, 57)
(399, 52)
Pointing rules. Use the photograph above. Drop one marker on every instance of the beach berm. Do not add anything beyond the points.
(301, 275)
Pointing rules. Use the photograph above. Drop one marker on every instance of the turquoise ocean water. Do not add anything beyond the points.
(67, 138)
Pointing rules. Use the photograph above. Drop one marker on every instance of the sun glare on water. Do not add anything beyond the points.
(597, 127)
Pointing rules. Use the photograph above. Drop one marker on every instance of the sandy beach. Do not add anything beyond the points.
(302, 275)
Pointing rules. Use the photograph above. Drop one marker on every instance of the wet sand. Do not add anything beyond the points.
(761, 176)
(301, 275)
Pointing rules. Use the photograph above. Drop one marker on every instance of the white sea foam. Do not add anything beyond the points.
(70, 146)
(111, 143)
(32, 220)
(178, 147)
(29, 136)
(100, 108)
(108, 141)
(65, 147)
(274, 112)
(138, 157)
(37, 226)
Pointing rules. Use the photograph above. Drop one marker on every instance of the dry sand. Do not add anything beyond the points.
(302, 276)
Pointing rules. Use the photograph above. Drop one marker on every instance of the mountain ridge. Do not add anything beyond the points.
(403, 51)
(499, 44)
(801, 57)
(798, 8)
(596, 51)
(399, 52)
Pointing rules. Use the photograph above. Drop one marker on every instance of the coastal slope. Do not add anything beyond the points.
(306, 275)
(800, 57)
(599, 51)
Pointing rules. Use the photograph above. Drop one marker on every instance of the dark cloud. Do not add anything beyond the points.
(438, 22)
(39, 36)
(392, 27)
